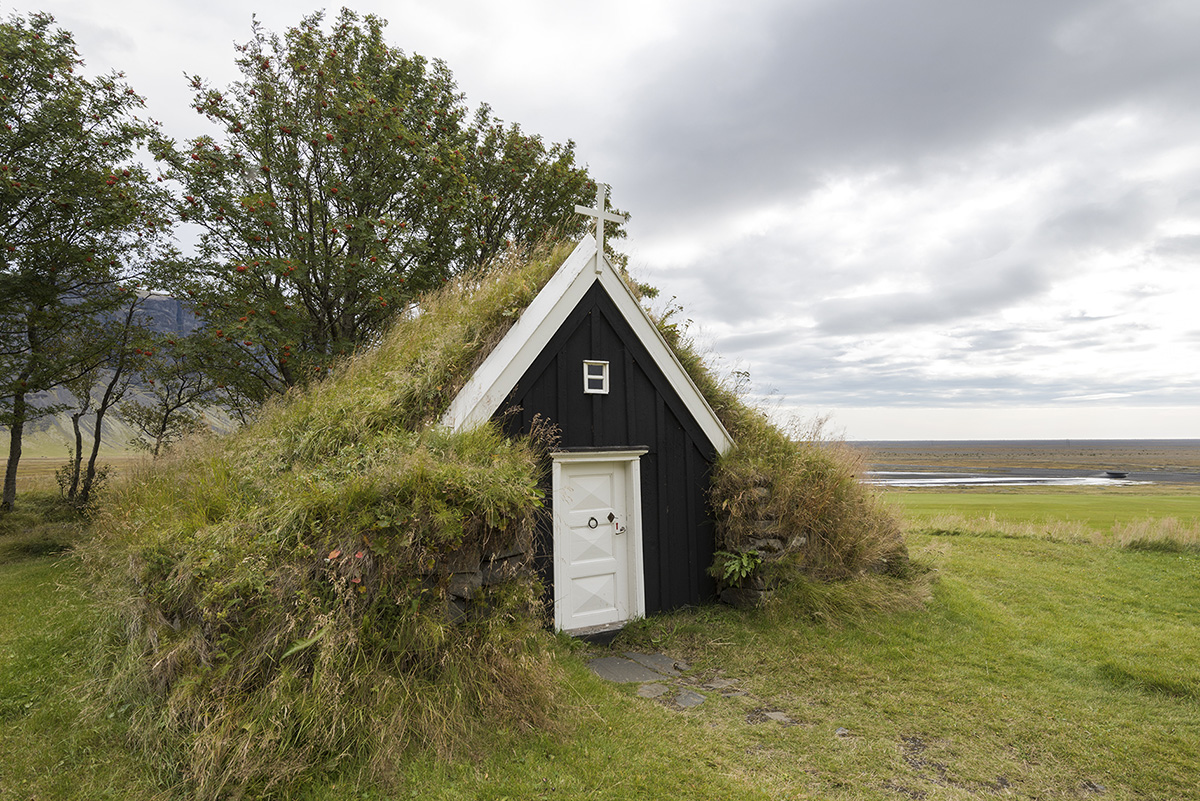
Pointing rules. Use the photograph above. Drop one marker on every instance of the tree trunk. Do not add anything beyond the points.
(113, 392)
(15, 432)
(77, 454)
(85, 488)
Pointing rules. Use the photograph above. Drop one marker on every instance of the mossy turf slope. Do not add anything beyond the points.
(280, 595)
(278, 599)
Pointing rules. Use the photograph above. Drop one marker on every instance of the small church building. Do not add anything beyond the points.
(630, 531)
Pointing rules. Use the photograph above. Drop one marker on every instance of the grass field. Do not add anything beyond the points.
(1022, 666)
(36, 473)
(1164, 518)
(1097, 510)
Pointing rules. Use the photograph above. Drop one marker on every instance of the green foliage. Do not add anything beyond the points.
(522, 193)
(346, 183)
(732, 569)
(68, 474)
(80, 221)
(176, 389)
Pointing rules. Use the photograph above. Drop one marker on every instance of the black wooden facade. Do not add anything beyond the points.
(642, 409)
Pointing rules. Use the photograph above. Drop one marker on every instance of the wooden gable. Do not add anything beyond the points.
(586, 314)
(542, 320)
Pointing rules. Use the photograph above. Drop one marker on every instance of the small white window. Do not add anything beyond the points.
(595, 378)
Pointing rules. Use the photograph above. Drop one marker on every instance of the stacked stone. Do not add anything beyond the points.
(770, 542)
(472, 571)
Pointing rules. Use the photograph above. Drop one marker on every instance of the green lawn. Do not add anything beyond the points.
(1037, 669)
(1097, 509)
(48, 749)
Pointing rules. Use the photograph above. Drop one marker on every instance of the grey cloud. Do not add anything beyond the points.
(751, 278)
(914, 388)
(757, 340)
(1188, 246)
(982, 290)
(1092, 224)
(848, 85)
(1004, 340)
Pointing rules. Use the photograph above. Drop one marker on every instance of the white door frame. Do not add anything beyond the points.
(632, 533)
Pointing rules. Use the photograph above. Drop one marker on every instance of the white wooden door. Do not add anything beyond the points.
(597, 553)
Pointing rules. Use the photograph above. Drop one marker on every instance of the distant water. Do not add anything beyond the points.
(901, 463)
(1033, 444)
(885, 478)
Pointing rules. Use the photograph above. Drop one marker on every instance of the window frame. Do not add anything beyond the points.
(589, 377)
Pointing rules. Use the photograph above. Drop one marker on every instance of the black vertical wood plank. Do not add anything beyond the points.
(629, 390)
(665, 552)
(595, 351)
(695, 566)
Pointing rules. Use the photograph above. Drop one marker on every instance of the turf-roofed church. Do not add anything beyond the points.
(630, 532)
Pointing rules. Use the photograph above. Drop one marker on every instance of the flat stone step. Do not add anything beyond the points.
(661, 662)
(622, 670)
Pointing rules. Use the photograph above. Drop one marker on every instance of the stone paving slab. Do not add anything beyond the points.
(721, 684)
(660, 662)
(660, 677)
(622, 670)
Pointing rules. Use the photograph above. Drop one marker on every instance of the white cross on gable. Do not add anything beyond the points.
(601, 215)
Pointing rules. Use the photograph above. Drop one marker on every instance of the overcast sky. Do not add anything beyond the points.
(926, 219)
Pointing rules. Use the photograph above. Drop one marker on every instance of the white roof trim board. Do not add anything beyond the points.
(491, 384)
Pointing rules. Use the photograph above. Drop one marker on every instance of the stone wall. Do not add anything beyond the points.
(471, 572)
(771, 543)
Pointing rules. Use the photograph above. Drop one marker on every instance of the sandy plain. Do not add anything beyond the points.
(1161, 461)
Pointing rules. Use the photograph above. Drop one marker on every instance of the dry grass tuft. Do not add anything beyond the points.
(1157, 534)
(1055, 530)
(1167, 534)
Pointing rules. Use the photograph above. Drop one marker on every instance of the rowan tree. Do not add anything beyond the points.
(79, 218)
(175, 391)
(344, 180)
(522, 191)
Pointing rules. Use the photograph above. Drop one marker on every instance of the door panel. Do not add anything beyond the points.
(594, 565)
